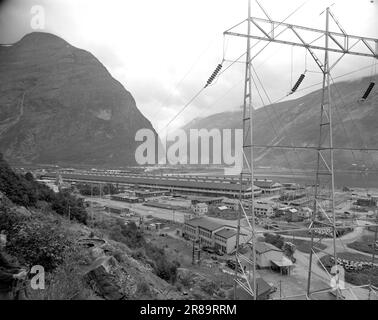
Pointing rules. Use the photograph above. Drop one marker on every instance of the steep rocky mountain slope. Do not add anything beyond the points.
(59, 104)
(296, 122)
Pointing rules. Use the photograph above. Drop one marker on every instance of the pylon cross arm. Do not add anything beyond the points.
(344, 43)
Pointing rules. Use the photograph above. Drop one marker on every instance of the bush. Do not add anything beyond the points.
(274, 239)
(143, 251)
(66, 205)
(37, 243)
(18, 189)
(66, 282)
(25, 191)
(143, 291)
(87, 190)
(162, 266)
(9, 221)
(209, 287)
(32, 241)
(186, 280)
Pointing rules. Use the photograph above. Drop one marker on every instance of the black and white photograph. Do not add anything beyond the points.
(188, 155)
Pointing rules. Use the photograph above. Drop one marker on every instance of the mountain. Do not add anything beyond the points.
(60, 105)
(296, 122)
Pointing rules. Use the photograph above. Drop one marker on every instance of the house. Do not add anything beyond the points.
(208, 200)
(263, 288)
(200, 208)
(283, 265)
(265, 253)
(232, 204)
(290, 186)
(225, 239)
(305, 213)
(188, 216)
(366, 202)
(261, 208)
(292, 215)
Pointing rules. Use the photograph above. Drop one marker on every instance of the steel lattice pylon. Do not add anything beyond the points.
(247, 135)
(323, 215)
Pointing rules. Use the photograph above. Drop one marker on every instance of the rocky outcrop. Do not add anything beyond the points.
(59, 104)
(104, 278)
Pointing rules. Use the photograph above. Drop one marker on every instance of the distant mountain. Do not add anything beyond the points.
(296, 122)
(59, 104)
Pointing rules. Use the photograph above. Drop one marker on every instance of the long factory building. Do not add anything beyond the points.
(198, 185)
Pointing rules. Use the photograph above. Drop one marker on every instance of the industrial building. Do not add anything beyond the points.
(117, 210)
(145, 194)
(269, 256)
(125, 197)
(227, 186)
(268, 187)
(366, 202)
(225, 240)
(265, 253)
(232, 204)
(210, 201)
(212, 234)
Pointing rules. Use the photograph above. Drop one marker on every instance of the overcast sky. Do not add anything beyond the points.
(164, 51)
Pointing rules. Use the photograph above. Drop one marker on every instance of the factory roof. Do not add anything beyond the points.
(266, 183)
(226, 233)
(160, 181)
(204, 224)
(262, 288)
(205, 199)
(230, 201)
(263, 247)
(201, 205)
(112, 206)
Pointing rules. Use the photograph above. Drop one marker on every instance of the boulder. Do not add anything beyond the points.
(97, 252)
(22, 211)
(103, 279)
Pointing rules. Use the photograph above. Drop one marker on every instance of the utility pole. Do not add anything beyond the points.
(375, 247)
(92, 203)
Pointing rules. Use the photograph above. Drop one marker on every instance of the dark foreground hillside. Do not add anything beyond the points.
(97, 258)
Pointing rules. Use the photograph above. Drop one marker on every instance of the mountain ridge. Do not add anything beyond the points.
(296, 123)
(59, 104)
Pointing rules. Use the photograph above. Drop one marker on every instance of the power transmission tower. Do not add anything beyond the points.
(247, 122)
(324, 202)
(325, 175)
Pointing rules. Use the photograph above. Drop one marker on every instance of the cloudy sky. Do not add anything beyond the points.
(164, 51)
